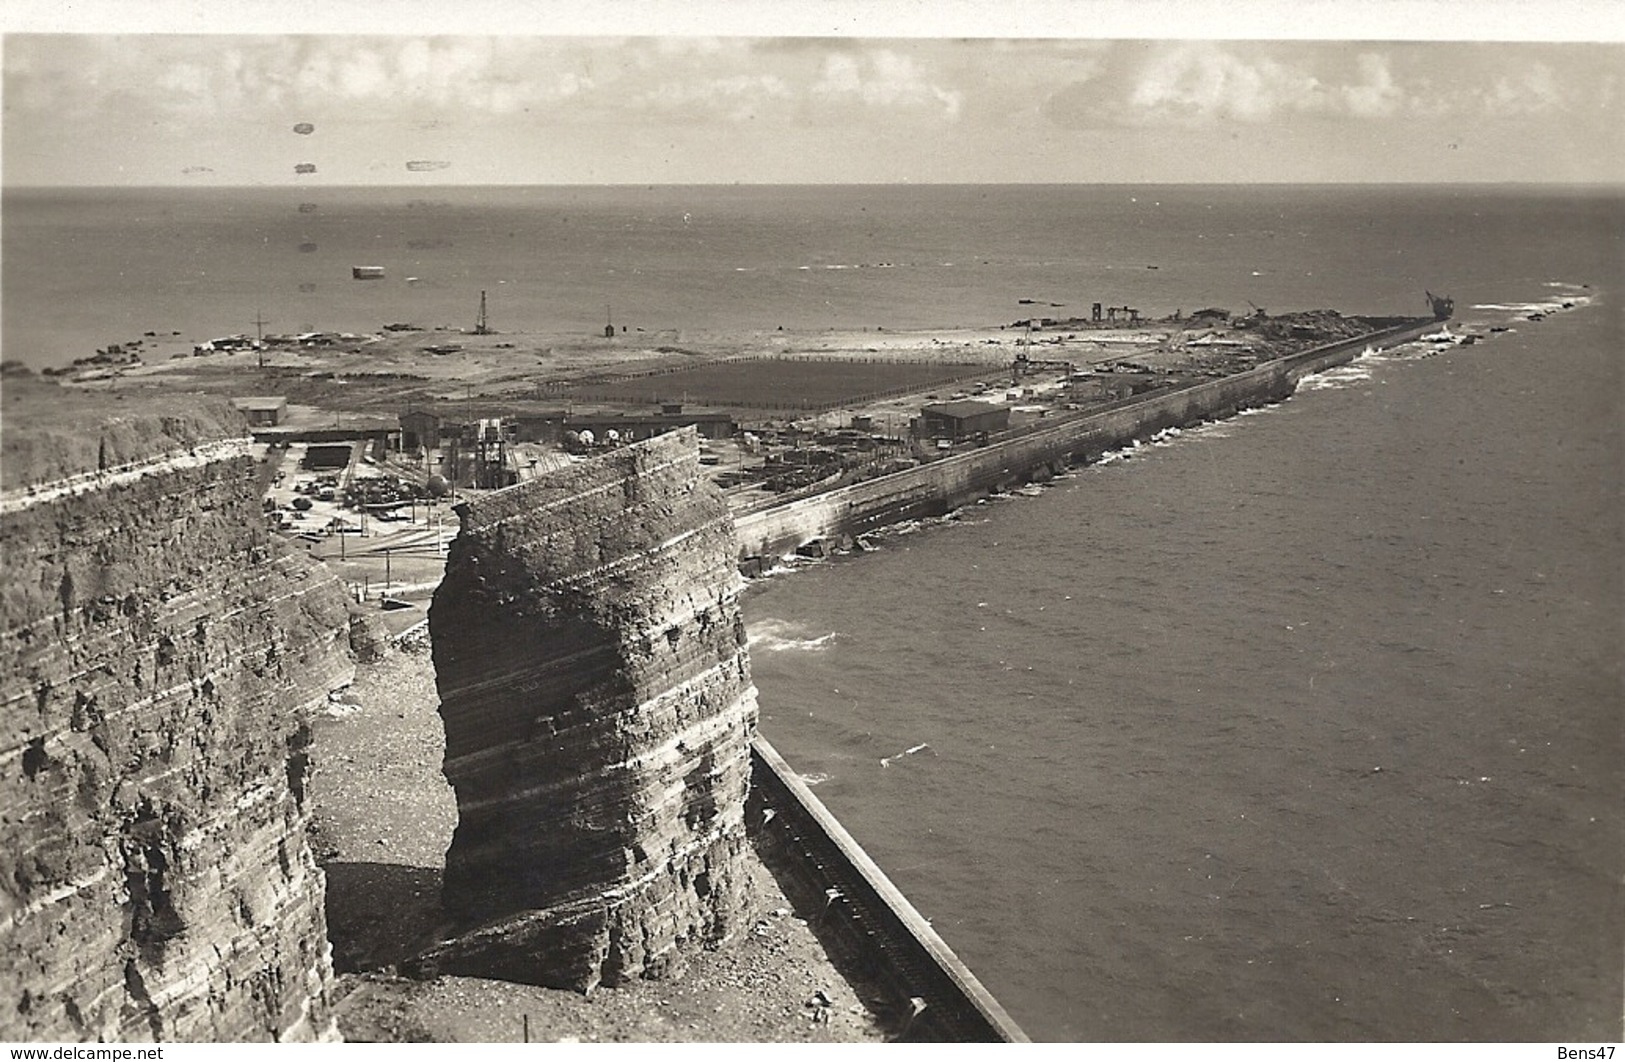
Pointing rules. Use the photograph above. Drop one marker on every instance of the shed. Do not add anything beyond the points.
(963, 420)
(262, 412)
(419, 428)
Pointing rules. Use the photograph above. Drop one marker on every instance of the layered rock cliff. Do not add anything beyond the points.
(598, 709)
(157, 652)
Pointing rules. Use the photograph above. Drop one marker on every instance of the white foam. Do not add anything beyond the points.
(1333, 379)
(1556, 305)
(777, 636)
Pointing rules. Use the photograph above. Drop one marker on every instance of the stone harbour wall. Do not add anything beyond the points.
(938, 486)
(158, 653)
(598, 707)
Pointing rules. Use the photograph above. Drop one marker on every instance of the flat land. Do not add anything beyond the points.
(777, 383)
(368, 382)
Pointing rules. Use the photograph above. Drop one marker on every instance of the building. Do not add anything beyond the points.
(546, 426)
(419, 428)
(963, 420)
(426, 429)
(264, 412)
(632, 426)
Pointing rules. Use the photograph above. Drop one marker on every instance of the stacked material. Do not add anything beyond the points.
(596, 694)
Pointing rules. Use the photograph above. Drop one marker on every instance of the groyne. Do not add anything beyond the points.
(937, 487)
(865, 917)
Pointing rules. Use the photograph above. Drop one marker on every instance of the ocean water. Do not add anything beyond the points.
(1306, 725)
(80, 268)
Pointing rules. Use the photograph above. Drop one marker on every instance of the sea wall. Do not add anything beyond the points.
(867, 919)
(159, 651)
(598, 707)
(939, 486)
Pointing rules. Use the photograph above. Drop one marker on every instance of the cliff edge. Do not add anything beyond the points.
(158, 652)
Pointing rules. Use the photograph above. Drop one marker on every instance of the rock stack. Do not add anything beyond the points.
(158, 651)
(598, 708)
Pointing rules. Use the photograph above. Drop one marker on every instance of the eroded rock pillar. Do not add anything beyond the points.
(596, 694)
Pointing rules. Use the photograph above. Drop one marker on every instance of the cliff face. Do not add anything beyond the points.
(159, 650)
(598, 708)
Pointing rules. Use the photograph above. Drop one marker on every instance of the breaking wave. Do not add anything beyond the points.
(777, 636)
(1331, 379)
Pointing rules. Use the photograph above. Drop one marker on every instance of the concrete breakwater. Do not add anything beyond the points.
(866, 918)
(935, 488)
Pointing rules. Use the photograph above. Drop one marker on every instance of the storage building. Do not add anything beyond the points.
(264, 412)
(963, 420)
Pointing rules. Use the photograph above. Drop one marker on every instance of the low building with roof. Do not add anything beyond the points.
(264, 411)
(963, 420)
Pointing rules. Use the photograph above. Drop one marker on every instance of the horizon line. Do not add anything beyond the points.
(1615, 183)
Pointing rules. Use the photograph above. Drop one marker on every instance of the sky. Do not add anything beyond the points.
(1069, 96)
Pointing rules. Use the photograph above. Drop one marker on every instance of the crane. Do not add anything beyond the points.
(1023, 364)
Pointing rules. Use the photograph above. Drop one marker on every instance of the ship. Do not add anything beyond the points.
(367, 272)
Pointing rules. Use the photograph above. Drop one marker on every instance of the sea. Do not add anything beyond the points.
(1305, 725)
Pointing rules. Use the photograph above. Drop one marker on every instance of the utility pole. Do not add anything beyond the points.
(259, 335)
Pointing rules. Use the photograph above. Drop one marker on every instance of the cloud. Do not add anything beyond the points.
(1375, 94)
(230, 76)
(883, 78)
(798, 81)
(1202, 82)
(737, 97)
(1533, 91)
(1190, 84)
